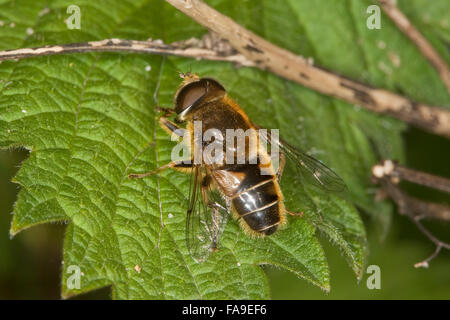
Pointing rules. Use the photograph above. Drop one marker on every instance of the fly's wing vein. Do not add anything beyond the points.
(207, 216)
(308, 167)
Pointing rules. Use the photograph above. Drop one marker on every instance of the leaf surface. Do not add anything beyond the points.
(89, 121)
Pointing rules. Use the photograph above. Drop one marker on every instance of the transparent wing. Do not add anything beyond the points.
(310, 168)
(207, 215)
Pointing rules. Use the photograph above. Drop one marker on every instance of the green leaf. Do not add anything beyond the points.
(88, 120)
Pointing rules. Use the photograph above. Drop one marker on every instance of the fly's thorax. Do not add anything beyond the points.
(217, 126)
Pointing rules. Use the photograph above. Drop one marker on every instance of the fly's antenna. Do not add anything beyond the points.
(187, 75)
(182, 74)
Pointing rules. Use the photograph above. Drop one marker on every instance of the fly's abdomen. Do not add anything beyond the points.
(259, 207)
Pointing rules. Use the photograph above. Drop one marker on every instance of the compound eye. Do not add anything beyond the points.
(189, 95)
(214, 86)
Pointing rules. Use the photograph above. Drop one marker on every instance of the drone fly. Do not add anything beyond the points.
(249, 189)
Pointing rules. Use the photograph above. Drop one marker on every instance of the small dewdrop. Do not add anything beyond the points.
(24, 111)
(9, 130)
(43, 12)
(1, 23)
(170, 216)
(148, 68)
(395, 59)
(29, 31)
(381, 44)
(423, 264)
(383, 67)
(238, 264)
(12, 25)
(137, 268)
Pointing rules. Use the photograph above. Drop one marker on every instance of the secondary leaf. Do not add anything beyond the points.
(89, 121)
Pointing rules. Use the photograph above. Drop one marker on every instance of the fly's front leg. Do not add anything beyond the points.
(165, 111)
(171, 128)
(180, 165)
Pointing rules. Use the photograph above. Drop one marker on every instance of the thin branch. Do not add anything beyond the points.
(422, 178)
(182, 49)
(418, 39)
(411, 206)
(387, 175)
(286, 64)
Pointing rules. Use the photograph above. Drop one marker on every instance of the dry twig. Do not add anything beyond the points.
(388, 174)
(192, 48)
(420, 41)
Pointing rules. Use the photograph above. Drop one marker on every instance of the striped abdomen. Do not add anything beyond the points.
(259, 206)
(255, 198)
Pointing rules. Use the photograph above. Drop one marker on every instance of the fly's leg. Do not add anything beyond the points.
(165, 111)
(215, 225)
(171, 128)
(181, 165)
(215, 208)
(294, 214)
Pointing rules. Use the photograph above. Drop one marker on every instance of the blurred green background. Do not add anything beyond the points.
(30, 263)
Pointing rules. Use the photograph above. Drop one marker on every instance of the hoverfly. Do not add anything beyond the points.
(220, 189)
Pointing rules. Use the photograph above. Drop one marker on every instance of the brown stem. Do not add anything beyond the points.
(419, 40)
(192, 48)
(182, 49)
(387, 175)
(414, 207)
(422, 178)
